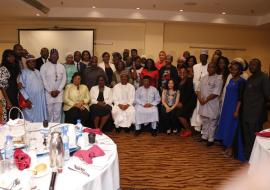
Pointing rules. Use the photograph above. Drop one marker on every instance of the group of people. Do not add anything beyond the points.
(214, 99)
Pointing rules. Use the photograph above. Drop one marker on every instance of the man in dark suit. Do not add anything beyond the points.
(77, 61)
(44, 54)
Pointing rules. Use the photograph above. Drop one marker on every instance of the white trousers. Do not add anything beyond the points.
(196, 121)
(209, 126)
(123, 118)
(54, 112)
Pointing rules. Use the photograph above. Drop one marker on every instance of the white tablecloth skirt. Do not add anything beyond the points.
(260, 156)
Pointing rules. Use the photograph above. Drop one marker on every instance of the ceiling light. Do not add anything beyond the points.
(181, 10)
(37, 14)
(138, 8)
(93, 7)
(224, 13)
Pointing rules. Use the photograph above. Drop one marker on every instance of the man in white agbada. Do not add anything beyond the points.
(200, 70)
(123, 111)
(208, 94)
(33, 91)
(54, 79)
(147, 98)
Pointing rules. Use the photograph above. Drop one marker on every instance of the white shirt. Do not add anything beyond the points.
(44, 60)
(107, 94)
(54, 78)
(102, 66)
(123, 94)
(199, 72)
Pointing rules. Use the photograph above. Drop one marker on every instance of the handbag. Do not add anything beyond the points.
(22, 102)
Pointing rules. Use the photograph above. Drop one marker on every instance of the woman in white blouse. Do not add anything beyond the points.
(76, 101)
(101, 103)
(108, 67)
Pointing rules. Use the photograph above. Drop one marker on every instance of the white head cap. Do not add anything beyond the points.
(204, 52)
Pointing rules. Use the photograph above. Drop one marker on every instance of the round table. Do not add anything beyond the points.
(104, 171)
(260, 156)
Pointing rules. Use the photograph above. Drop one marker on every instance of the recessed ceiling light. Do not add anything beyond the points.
(181, 10)
(93, 7)
(224, 13)
(138, 8)
(37, 14)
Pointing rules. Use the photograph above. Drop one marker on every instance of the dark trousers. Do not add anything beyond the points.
(73, 114)
(249, 130)
(168, 120)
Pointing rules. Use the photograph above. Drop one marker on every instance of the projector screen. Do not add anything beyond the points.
(64, 41)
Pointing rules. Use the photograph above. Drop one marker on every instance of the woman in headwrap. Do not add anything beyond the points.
(244, 75)
(70, 66)
(161, 60)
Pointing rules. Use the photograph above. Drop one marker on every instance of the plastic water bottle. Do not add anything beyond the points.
(66, 143)
(9, 148)
(79, 125)
(79, 130)
(9, 152)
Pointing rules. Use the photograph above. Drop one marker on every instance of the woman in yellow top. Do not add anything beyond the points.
(76, 101)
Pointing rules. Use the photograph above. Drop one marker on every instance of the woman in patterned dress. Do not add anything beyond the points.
(4, 100)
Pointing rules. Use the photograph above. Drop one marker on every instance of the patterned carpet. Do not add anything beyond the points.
(171, 163)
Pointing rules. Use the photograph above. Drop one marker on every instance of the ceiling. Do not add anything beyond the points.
(237, 10)
(237, 7)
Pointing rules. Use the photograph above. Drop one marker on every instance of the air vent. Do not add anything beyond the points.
(37, 5)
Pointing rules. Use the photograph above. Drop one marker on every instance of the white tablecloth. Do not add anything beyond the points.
(260, 156)
(104, 172)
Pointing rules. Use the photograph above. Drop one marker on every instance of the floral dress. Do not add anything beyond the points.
(4, 76)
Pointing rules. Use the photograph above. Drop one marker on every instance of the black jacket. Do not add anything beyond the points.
(39, 63)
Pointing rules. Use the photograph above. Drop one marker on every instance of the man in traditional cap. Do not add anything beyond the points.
(200, 70)
(147, 98)
(123, 111)
(208, 93)
(256, 95)
(44, 55)
(54, 79)
(33, 91)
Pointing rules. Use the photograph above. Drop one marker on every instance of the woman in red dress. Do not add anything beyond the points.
(151, 71)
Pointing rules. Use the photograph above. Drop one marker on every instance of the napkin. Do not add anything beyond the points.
(263, 134)
(94, 131)
(22, 160)
(87, 155)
